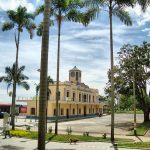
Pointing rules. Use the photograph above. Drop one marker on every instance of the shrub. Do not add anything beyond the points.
(50, 129)
(28, 128)
(85, 133)
(69, 130)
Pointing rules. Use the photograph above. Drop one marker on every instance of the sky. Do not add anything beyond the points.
(84, 47)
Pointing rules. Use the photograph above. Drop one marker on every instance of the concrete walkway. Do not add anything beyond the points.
(27, 144)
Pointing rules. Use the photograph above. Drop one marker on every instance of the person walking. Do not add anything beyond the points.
(7, 130)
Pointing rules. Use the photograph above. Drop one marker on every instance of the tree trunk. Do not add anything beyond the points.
(58, 65)
(43, 77)
(146, 113)
(112, 72)
(13, 108)
(36, 105)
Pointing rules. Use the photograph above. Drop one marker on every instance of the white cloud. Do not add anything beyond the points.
(140, 16)
(13, 4)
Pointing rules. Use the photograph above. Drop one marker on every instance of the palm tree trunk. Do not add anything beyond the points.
(36, 104)
(17, 41)
(43, 77)
(112, 72)
(57, 84)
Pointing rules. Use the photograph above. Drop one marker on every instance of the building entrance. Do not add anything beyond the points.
(84, 110)
(67, 113)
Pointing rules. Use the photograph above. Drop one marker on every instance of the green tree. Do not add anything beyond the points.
(43, 76)
(114, 8)
(135, 59)
(19, 20)
(65, 10)
(9, 79)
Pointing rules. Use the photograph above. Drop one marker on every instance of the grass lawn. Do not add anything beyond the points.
(63, 137)
(142, 128)
(129, 112)
(137, 145)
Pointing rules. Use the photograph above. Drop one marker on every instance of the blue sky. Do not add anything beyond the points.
(87, 48)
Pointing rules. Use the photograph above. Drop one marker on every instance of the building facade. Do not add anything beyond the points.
(75, 98)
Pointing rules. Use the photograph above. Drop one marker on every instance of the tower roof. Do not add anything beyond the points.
(74, 69)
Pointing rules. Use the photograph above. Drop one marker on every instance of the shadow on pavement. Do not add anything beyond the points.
(114, 145)
(10, 147)
(139, 138)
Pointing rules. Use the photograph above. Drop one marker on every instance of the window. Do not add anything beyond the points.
(93, 110)
(89, 98)
(73, 96)
(32, 111)
(67, 93)
(79, 110)
(89, 110)
(73, 111)
(54, 112)
(93, 98)
(76, 76)
(84, 98)
(80, 97)
(62, 111)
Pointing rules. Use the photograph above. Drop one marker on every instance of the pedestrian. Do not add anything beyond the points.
(7, 130)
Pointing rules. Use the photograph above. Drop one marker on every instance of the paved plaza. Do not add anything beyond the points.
(96, 126)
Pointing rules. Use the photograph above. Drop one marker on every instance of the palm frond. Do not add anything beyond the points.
(144, 4)
(50, 80)
(12, 15)
(89, 16)
(94, 3)
(123, 16)
(8, 86)
(7, 26)
(31, 26)
(24, 84)
(40, 27)
(74, 15)
(39, 10)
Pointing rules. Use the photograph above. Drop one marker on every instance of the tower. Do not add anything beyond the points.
(75, 75)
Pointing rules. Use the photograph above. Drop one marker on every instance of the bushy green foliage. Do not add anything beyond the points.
(62, 137)
(137, 145)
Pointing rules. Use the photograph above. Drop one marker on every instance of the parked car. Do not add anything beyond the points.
(1, 115)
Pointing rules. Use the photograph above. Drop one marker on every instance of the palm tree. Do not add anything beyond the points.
(49, 81)
(43, 76)
(65, 10)
(116, 8)
(19, 20)
(10, 77)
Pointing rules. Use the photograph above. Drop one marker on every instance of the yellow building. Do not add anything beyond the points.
(75, 98)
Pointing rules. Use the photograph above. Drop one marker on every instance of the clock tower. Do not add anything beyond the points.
(75, 75)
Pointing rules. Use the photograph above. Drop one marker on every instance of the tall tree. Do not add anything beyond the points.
(65, 10)
(114, 8)
(43, 76)
(133, 58)
(10, 77)
(19, 20)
